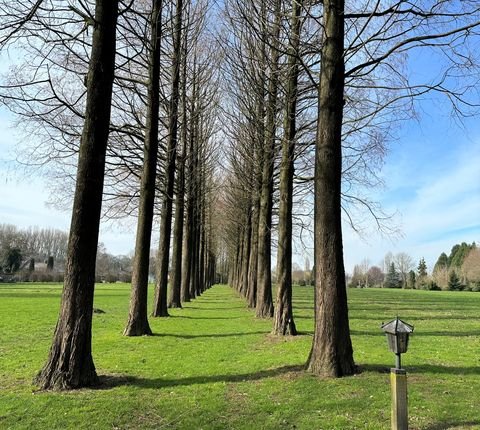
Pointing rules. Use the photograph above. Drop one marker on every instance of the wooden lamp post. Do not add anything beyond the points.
(398, 333)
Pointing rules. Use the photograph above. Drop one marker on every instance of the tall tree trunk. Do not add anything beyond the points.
(283, 318)
(188, 242)
(137, 324)
(186, 258)
(247, 234)
(175, 287)
(258, 170)
(160, 305)
(331, 353)
(198, 242)
(264, 306)
(194, 184)
(194, 259)
(201, 273)
(70, 363)
(187, 253)
(253, 257)
(176, 284)
(236, 262)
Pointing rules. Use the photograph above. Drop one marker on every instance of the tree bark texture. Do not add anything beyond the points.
(247, 234)
(197, 234)
(331, 354)
(186, 258)
(258, 170)
(187, 253)
(70, 362)
(160, 305)
(178, 290)
(175, 287)
(187, 292)
(176, 284)
(253, 258)
(137, 324)
(283, 318)
(264, 307)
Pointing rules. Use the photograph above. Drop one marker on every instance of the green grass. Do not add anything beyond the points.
(212, 365)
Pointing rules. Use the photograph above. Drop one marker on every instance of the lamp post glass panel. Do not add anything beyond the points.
(398, 333)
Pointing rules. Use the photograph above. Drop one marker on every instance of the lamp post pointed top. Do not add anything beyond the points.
(397, 332)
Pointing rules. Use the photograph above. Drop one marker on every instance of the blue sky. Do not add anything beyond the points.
(432, 178)
(23, 197)
(431, 175)
(432, 182)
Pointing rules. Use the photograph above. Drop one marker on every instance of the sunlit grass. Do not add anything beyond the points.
(212, 365)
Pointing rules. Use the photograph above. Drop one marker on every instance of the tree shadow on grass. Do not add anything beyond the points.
(209, 318)
(419, 333)
(451, 425)
(210, 308)
(112, 381)
(423, 368)
(53, 295)
(418, 317)
(209, 336)
(303, 317)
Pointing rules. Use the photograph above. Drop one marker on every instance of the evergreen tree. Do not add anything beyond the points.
(12, 259)
(454, 282)
(458, 254)
(421, 273)
(442, 262)
(422, 268)
(392, 280)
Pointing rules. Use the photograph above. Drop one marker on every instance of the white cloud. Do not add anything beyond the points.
(451, 202)
(23, 204)
(438, 211)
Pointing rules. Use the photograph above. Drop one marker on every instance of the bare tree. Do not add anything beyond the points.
(404, 263)
(160, 301)
(283, 317)
(70, 362)
(137, 324)
(332, 352)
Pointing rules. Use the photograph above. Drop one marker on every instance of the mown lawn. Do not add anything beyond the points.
(212, 365)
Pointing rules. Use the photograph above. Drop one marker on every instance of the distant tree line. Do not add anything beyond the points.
(38, 255)
(459, 271)
(35, 242)
(32, 254)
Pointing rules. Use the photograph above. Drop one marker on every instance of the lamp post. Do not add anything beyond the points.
(398, 333)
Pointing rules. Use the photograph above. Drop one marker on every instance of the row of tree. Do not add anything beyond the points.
(458, 271)
(400, 264)
(134, 101)
(34, 242)
(315, 90)
(125, 97)
(38, 254)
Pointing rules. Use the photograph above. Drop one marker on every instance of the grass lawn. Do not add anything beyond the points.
(212, 365)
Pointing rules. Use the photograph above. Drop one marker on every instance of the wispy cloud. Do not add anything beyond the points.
(450, 202)
(23, 204)
(439, 205)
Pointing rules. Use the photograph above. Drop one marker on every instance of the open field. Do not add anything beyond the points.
(212, 365)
